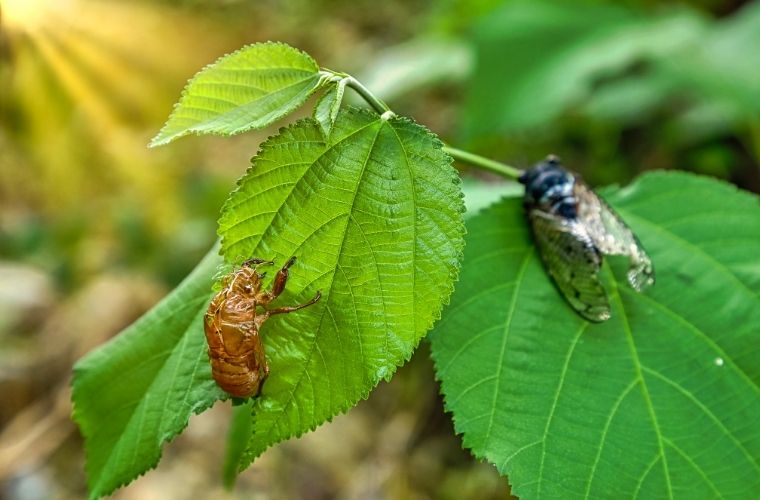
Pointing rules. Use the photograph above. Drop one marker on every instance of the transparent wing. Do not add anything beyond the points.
(612, 236)
(573, 263)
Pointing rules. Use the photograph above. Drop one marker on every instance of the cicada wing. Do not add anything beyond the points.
(573, 263)
(612, 236)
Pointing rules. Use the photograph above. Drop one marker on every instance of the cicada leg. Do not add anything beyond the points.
(256, 262)
(287, 309)
(280, 280)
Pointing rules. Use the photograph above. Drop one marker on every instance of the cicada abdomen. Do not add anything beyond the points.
(232, 324)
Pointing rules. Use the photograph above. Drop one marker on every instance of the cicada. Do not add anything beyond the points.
(233, 322)
(573, 228)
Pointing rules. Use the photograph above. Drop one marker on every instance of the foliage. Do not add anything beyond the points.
(369, 203)
(139, 390)
(328, 106)
(374, 213)
(248, 89)
(374, 216)
(586, 45)
(655, 402)
(609, 61)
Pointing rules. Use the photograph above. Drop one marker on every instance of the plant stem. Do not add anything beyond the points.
(485, 163)
(382, 109)
(379, 106)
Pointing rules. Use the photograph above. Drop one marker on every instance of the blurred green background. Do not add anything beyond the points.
(95, 228)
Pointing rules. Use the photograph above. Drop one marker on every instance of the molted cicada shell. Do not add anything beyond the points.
(573, 228)
(232, 323)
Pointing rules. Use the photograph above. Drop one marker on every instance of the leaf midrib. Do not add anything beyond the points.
(414, 230)
(172, 131)
(246, 105)
(644, 388)
(226, 246)
(290, 399)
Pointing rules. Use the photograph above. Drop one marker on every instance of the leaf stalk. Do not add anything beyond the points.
(478, 161)
(385, 111)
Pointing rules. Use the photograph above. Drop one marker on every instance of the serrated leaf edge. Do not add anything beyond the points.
(79, 369)
(248, 458)
(622, 193)
(160, 140)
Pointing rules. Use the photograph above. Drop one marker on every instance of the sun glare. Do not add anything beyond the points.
(27, 14)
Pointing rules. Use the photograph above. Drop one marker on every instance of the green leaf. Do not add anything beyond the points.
(326, 110)
(374, 215)
(535, 59)
(479, 194)
(662, 400)
(139, 390)
(724, 68)
(249, 89)
(631, 100)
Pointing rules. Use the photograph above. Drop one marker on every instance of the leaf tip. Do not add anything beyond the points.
(160, 139)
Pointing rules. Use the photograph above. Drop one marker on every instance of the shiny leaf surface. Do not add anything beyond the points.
(248, 89)
(138, 391)
(374, 215)
(660, 401)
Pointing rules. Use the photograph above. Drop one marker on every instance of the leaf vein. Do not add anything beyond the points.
(690, 396)
(605, 429)
(695, 466)
(290, 400)
(507, 327)
(560, 384)
(645, 390)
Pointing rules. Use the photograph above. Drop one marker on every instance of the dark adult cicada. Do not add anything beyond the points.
(232, 324)
(573, 228)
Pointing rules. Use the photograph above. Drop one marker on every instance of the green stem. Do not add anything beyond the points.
(379, 106)
(382, 109)
(485, 163)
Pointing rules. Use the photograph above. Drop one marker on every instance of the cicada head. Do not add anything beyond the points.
(246, 282)
(546, 184)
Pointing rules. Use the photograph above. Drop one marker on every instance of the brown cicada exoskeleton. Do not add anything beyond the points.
(232, 324)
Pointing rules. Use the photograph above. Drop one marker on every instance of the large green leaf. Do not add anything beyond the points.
(661, 401)
(248, 89)
(723, 74)
(725, 66)
(139, 390)
(535, 59)
(374, 215)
